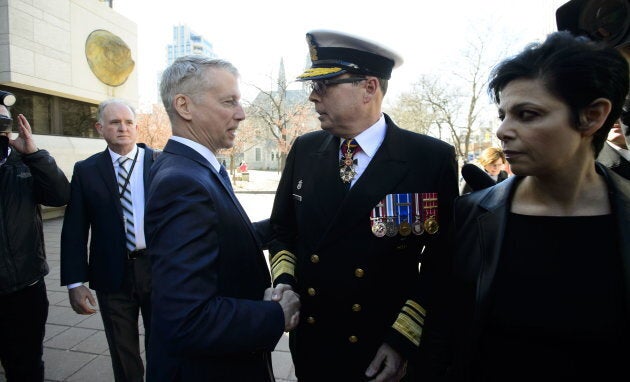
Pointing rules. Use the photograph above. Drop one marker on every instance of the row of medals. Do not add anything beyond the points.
(389, 228)
(347, 172)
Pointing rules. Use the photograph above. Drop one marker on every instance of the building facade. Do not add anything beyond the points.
(61, 58)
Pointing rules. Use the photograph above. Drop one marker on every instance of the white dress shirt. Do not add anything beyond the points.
(370, 140)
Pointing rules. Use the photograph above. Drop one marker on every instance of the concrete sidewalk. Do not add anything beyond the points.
(75, 347)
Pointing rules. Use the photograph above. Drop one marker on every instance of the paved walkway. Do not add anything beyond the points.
(75, 347)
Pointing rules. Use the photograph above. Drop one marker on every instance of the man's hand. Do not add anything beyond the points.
(290, 302)
(278, 291)
(24, 143)
(78, 297)
(391, 364)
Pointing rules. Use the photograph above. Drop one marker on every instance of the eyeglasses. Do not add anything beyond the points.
(319, 86)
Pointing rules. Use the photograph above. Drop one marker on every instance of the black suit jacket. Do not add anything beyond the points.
(209, 322)
(610, 158)
(356, 288)
(94, 214)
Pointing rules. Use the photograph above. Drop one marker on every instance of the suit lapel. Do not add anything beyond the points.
(106, 170)
(380, 177)
(491, 229)
(178, 148)
(325, 173)
(148, 162)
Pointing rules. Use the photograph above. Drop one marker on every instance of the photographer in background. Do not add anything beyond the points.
(615, 154)
(607, 21)
(28, 177)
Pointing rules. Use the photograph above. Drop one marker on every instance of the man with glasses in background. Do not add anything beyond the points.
(360, 205)
(607, 21)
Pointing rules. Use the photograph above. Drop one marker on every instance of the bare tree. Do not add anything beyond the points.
(452, 104)
(286, 114)
(411, 113)
(154, 128)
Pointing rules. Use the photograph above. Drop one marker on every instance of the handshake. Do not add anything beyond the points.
(289, 301)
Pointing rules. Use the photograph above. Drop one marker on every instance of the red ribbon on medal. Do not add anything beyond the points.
(430, 209)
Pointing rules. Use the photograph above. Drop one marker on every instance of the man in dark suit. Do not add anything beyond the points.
(213, 318)
(106, 210)
(353, 221)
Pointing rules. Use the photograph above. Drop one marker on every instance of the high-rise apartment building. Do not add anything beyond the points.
(185, 42)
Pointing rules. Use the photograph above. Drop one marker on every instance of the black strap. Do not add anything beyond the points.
(133, 164)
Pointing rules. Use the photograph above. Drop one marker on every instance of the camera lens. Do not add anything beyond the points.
(605, 20)
(7, 99)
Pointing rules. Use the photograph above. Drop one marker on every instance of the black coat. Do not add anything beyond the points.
(503, 175)
(480, 221)
(353, 285)
(26, 181)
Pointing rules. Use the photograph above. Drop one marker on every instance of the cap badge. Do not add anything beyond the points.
(312, 46)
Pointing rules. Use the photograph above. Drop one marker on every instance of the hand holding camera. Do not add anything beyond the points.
(24, 142)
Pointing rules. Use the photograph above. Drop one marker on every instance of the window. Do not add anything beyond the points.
(34, 107)
(258, 154)
(51, 115)
(78, 119)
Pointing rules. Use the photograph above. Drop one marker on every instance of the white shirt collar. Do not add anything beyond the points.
(623, 152)
(201, 149)
(372, 138)
(129, 155)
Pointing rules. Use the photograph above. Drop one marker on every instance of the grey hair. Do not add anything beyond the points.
(186, 76)
(383, 82)
(107, 102)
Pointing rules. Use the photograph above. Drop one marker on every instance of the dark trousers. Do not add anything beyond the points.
(23, 317)
(120, 311)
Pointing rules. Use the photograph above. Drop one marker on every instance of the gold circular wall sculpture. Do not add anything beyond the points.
(109, 57)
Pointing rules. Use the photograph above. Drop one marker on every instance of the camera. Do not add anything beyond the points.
(600, 20)
(7, 99)
(5, 124)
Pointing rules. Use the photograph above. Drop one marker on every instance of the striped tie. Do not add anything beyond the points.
(125, 200)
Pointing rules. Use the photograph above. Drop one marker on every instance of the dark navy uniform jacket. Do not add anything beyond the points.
(358, 290)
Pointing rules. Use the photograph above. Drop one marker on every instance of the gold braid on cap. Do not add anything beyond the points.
(314, 72)
(283, 262)
(410, 321)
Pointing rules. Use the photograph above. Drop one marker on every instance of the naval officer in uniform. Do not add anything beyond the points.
(360, 205)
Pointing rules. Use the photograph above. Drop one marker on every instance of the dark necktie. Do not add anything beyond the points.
(226, 177)
(348, 164)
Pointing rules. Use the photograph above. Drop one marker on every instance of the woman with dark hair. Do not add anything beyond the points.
(542, 265)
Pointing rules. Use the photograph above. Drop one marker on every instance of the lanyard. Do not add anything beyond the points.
(128, 178)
